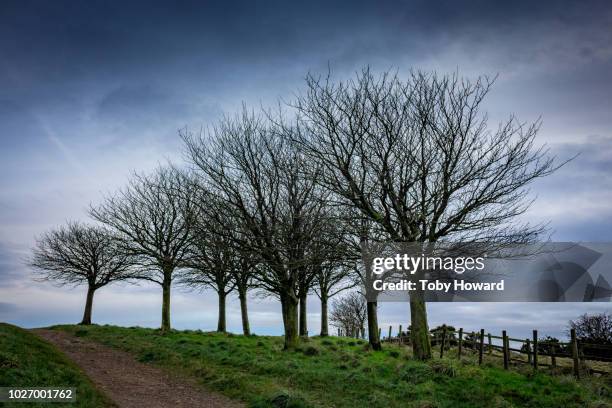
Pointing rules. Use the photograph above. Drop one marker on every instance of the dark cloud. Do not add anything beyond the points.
(92, 90)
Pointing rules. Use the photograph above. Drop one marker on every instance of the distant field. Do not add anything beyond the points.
(342, 372)
(27, 361)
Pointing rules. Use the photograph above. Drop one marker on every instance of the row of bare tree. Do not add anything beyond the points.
(283, 201)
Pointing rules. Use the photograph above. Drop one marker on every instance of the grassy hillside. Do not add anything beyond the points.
(27, 361)
(341, 372)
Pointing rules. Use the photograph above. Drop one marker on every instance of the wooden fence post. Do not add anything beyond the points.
(528, 343)
(575, 353)
(389, 337)
(508, 348)
(481, 350)
(553, 357)
(399, 334)
(535, 350)
(490, 350)
(443, 340)
(460, 344)
(505, 346)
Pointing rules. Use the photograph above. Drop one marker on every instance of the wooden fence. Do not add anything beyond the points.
(531, 351)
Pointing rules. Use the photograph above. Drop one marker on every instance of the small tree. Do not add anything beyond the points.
(330, 280)
(153, 218)
(78, 254)
(349, 313)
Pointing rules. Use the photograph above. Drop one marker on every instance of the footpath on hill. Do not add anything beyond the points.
(130, 383)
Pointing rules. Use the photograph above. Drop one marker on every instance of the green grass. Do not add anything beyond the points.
(342, 372)
(27, 361)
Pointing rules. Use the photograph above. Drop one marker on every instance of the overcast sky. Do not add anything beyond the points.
(90, 91)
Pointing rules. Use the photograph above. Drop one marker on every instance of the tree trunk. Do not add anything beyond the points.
(242, 295)
(303, 318)
(165, 323)
(290, 320)
(221, 327)
(373, 326)
(324, 325)
(419, 331)
(88, 306)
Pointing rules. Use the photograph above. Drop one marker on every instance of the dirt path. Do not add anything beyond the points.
(130, 383)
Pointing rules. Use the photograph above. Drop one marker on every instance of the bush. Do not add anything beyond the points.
(545, 346)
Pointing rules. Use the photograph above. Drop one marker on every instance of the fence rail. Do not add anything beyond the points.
(531, 351)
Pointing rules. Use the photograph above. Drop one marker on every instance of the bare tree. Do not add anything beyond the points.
(418, 159)
(216, 261)
(337, 263)
(596, 328)
(244, 280)
(153, 217)
(221, 261)
(259, 175)
(331, 279)
(78, 254)
(349, 313)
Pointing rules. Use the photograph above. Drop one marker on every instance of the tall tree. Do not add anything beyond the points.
(221, 257)
(153, 217)
(78, 254)
(417, 158)
(213, 263)
(258, 173)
